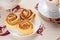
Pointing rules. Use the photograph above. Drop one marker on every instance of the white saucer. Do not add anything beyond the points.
(9, 4)
(43, 9)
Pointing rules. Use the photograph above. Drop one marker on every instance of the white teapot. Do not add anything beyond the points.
(8, 4)
(50, 10)
(53, 5)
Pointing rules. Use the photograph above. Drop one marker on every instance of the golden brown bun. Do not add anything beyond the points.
(12, 19)
(58, 3)
(27, 14)
(26, 27)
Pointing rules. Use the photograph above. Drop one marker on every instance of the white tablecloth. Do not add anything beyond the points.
(51, 32)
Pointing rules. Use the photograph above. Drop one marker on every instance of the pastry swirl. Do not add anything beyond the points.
(12, 19)
(26, 27)
(27, 14)
(58, 3)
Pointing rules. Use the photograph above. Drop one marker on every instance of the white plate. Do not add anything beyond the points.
(15, 32)
(43, 9)
(36, 24)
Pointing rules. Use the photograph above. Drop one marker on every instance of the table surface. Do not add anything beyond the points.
(51, 31)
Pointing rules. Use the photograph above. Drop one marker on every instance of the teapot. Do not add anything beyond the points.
(50, 10)
(53, 5)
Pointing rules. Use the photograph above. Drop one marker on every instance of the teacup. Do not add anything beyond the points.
(3, 15)
(8, 4)
(53, 5)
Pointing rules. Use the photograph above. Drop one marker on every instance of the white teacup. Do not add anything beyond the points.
(8, 4)
(53, 5)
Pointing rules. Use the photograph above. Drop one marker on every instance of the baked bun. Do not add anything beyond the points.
(27, 14)
(58, 3)
(12, 19)
(26, 27)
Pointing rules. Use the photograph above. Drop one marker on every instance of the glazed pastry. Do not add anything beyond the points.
(27, 14)
(12, 19)
(26, 27)
(58, 3)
